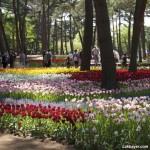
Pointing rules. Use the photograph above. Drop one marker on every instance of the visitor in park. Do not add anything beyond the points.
(4, 63)
(22, 59)
(7, 59)
(116, 56)
(96, 55)
(45, 60)
(124, 59)
(76, 59)
(49, 56)
(12, 59)
(71, 57)
(68, 62)
(80, 57)
(43, 57)
(14, 55)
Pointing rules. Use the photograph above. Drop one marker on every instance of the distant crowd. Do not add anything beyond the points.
(72, 59)
(8, 59)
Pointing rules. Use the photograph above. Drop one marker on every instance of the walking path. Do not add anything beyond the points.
(10, 142)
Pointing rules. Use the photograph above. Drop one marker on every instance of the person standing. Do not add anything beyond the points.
(12, 59)
(96, 53)
(45, 60)
(49, 56)
(4, 63)
(80, 57)
(76, 59)
(68, 62)
(22, 59)
(124, 60)
(43, 57)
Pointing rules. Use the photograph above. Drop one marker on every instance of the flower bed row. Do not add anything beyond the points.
(56, 87)
(122, 75)
(57, 114)
(89, 121)
(93, 75)
(98, 123)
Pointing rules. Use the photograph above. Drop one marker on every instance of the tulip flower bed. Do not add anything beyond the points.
(105, 123)
(122, 75)
(58, 103)
(37, 60)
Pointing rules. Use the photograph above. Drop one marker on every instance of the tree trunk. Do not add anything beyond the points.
(140, 53)
(65, 27)
(56, 38)
(129, 35)
(113, 34)
(138, 22)
(117, 36)
(120, 45)
(105, 42)
(94, 37)
(81, 38)
(48, 25)
(149, 47)
(22, 24)
(70, 33)
(2, 48)
(143, 41)
(38, 29)
(16, 12)
(44, 31)
(88, 33)
(61, 37)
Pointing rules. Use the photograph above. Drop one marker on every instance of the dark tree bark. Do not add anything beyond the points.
(22, 23)
(16, 12)
(94, 37)
(143, 41)
(70, 34)
(113, 34)
(149, 47)
(44, 31)
(119, 35)
(65, 27)
(61, 37)
(105, 42)
(129, 35)
(87, 39)
(56, 38)
(38, 29)
(48, 25)
(81, 38)
(138, 22)
(2, 48)
(140, 53)
(3, 39)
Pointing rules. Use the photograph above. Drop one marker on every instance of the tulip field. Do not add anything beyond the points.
(69, 105)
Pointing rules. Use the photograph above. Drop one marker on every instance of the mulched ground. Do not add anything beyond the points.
(10, 142)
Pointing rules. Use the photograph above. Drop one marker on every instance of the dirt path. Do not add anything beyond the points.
(10, 142)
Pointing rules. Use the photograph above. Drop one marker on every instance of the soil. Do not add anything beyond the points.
(10, 142)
